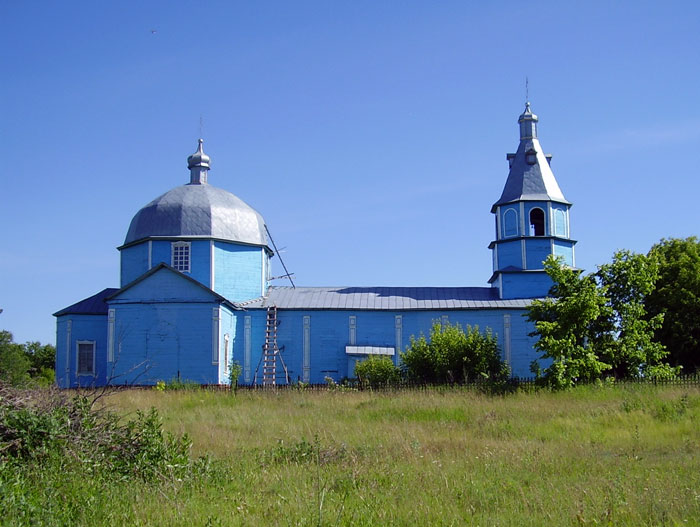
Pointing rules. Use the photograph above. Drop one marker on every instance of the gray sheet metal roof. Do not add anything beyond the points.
(385, 298)
(198, 210)
(92, 305)
(526, 181)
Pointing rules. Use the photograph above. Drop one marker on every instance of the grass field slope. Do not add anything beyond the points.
(605, 455)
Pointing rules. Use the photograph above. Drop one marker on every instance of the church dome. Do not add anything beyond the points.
(198, 210)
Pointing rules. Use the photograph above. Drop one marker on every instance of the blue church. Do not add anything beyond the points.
(195, 292)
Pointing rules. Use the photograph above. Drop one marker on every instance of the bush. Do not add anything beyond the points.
(455, 356)
(377, 371)
(44, 426)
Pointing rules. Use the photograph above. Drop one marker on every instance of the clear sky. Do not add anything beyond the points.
(371, 135)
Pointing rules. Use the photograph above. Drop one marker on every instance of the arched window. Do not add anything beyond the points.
(560, 222)
(536, 222)
(510, 223)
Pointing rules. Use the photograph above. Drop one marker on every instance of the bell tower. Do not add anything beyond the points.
(532, 219)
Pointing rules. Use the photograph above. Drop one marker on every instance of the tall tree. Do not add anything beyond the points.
(626, 337)
(567, 323)
(677, 295)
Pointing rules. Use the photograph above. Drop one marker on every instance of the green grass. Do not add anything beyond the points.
(621, 455)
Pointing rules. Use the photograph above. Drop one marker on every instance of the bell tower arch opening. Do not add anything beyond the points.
(536, 222)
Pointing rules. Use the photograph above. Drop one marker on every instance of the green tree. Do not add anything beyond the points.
(455, 356)
(626, 335)
(598, 323)
(42, 359)
(567, 323)
(677, 296)
(377, 371)
(14, 363)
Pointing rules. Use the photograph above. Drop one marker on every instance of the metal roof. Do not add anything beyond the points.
(534, 180)
(198, 210)
(93, 305)
(385, 298)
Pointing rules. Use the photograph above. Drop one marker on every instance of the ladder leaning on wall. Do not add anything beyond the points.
(271, 353)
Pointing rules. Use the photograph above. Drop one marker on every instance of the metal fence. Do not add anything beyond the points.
(526, 384)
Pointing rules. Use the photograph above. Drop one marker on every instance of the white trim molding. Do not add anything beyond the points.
(506, 340)
(212, 267)
(352, 329)
(370, 350)
(246, 348)
(69, 331)
(215, 330)
(398, 328)
(306, 366)
(110, 334)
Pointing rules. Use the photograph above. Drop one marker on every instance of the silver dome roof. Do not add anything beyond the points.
(198, 210)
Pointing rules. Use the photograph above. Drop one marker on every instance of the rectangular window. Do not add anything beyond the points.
(181, 256)
(86, 357)
(227, 339)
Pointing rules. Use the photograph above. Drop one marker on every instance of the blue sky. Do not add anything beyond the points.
(371, 135)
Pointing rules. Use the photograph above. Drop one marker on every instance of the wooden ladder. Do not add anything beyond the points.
(271, 351)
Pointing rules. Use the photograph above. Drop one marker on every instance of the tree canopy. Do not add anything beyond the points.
(677, 297)
(567, 323)
(597, 325)
(22, 364)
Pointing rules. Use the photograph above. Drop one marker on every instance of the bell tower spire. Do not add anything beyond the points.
(532, 219)
(198, 163)
(528, 124)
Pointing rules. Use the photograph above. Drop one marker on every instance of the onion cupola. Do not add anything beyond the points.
(204, 232)
(198, 210)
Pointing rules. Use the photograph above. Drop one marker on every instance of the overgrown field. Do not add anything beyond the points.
(620, 455)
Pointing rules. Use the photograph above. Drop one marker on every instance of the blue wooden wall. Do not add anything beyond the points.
(316, 339)
(164, 341)
(239, 271)
(69, 330)
(529, 284)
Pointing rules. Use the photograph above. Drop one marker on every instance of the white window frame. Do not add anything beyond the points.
(77, 358)
(560, 213)
(506, 233)
(177, 264)
(227, 360)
